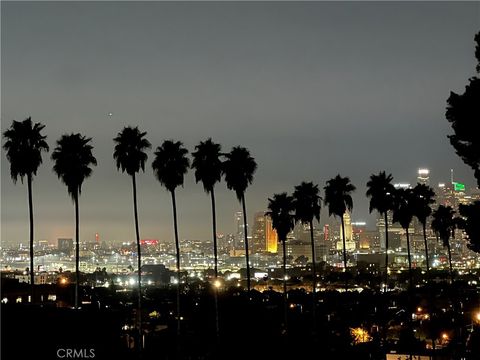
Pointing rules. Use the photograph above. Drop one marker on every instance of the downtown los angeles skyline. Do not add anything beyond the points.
(311, 89)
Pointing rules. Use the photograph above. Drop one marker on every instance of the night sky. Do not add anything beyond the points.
(312, 89)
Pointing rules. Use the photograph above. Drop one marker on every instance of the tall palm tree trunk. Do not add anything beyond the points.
(139, 263)
(385, 327)
(30, 209)
(177, 250)
(426, 250)
(410, 288)
(344, 254)
(450, 262)
(285, 310)
(409, 262)
(215, 255)
(314, 281)
(214, 224)
(386, 251)
(77, 250)
(245, 234)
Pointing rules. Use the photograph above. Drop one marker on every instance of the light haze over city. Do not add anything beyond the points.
(312, 90)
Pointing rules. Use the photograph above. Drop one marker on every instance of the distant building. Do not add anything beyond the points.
(65, 245)
(264, 237)
(156, 274)
(423, 176)
(349, 243)
(298, 248)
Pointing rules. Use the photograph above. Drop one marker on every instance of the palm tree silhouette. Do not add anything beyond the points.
(238, 169)
(73, 160)
(130, 157)
(170, 166)
(281, 211)
(208, 170)
(307, 201)
(24, 145)
(443, 224)
(380, 191)
(403, 214)
(423, 198)
(338, 198)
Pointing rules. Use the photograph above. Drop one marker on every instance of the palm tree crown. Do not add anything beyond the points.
(239, 168)
(207, 164)
(423, 198)
(338, 196)
(444, 223)
(73, 158)
(281, 208)
(24, 145)
(307, 202)
(171, 164)
(380, 191)
(130, 150)
(403, 209)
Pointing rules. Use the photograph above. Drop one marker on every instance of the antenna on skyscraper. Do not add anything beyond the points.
(451, 176)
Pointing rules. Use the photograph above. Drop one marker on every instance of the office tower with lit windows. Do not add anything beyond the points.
(264, 237)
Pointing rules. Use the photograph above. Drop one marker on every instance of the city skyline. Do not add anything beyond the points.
(299, 95)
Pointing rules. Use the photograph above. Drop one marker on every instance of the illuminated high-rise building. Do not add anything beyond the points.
(423, 176)
(264, 237)
(349, 243)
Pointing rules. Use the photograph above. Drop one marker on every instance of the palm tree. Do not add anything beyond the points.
(423, 197)
(238, 169)
(380, 191)
(338, 198)
(281, 211)
(24, 145)
(444, 223)
(130, 157)
(403, 214)
(73, 160)
(170, 166)
(307, 200)
(208, 170)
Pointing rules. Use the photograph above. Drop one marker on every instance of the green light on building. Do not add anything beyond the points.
(458, 186)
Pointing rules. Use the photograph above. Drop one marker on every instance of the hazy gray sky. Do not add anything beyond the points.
(312, 89)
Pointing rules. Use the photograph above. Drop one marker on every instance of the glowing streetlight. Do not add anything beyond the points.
(477, 316)
(217, 283)
(63, 281)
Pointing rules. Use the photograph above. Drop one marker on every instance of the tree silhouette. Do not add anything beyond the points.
(443, 224)
(281, 211)
(238, 169)
(24, 145)
(73, 160)
(381, 191)
(463, 112)
(423, 198)
(307, 202)
(470, 222)
(170, 166)
(403, 214)
(130, 156)
(208, 170)
(338, 198)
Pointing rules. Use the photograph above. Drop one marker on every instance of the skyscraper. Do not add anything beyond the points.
(423, 176)
(264, 237)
